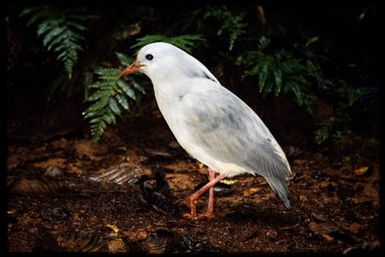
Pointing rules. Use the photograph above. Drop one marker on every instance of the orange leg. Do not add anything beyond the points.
(210, 207)
(201, 191)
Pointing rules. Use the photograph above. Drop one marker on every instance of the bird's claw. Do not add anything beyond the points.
(207, 215)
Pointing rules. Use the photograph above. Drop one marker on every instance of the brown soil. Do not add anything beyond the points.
(53, 204)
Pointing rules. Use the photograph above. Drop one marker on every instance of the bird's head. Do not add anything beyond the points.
(163, 61)
(154, 58)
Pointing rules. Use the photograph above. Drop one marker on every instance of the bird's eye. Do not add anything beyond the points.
(149, 57)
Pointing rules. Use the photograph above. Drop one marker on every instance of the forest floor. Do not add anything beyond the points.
(129, 193)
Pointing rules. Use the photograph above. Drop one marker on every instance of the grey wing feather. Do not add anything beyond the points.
(233, 133)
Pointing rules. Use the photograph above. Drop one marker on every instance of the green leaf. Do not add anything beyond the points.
(37, 16)
(125, 60)
(59, 31)
(321, 135)
(28, 11)
(354, 95)
(268, 88)
(278, 81)
(89, 114)
(110, 74)
(122, 100)
(109, 117)
(311, 41)
(77, 25)
(127, 89)
(99, 94)
(98, 105)
(297, 92)
(114, 106)
(138, 87)
(47, 26)
(56, 32)
(262, 77)
(263, 42)
(231, 25)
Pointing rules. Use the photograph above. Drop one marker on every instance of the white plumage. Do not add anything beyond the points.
(211, 123)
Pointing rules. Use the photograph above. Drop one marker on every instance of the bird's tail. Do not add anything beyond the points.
(280, 187)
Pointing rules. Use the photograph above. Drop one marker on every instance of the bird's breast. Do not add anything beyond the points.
(172, 105)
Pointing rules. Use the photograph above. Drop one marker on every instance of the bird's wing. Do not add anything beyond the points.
(223, 128)
(230, 131)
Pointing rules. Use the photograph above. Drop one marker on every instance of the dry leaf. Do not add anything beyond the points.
(322, 230)
(353, 227)
(326, 184)
(303, 198)
(229, 181)
(319, 216)
(113, 227)
(361, 170)
(251, 191)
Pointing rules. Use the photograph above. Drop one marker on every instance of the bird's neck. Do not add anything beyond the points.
(168, 94)
(168, 90)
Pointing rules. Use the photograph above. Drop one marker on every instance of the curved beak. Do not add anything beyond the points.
(134, 67)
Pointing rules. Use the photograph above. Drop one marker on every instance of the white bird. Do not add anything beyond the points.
(210, 122)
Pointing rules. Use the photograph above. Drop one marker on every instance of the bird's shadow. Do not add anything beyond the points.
(263, 214)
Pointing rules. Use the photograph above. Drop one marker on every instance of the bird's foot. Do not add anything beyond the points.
(203, 216)
(193, 208)
(193, 213)
(207, 215)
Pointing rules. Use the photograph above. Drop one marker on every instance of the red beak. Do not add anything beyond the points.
(134, 67)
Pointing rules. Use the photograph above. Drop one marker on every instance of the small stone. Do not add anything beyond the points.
(53, 171)
(116, 246)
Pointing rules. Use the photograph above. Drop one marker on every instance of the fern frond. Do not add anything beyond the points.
(110, 95)
(124, 59)
(107, 74)
(122, 100)
(138, 86)
(281, 71)
(233, 25)
(60, 31)
(35, 13)
(129, 91)
(114, 106)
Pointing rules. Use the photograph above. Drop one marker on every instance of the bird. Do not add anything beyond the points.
(211, 123)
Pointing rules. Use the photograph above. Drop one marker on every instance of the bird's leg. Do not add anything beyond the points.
(201, 191)
(210, 206)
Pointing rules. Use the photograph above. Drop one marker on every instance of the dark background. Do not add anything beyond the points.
(335, 194)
